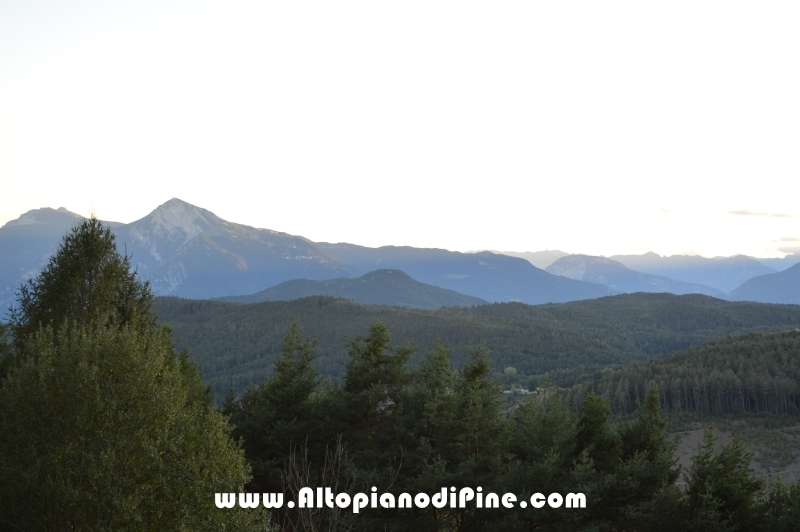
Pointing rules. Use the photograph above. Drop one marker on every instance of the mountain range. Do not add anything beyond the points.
(722, 273)
(489, 276)
(617, 277)
(187, 251)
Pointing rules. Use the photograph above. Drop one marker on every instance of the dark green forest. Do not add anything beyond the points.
(236, 345)
(106, 423)
(751, 373)
(418, 429)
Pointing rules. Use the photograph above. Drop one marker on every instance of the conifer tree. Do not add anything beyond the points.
(103, 425)
(278, 416)
(644, 493)
(85, 281)
(477, 393)
(721, 489)
(594, 435)
(374, 379)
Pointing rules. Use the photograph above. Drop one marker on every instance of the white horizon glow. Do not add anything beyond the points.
(597, 128)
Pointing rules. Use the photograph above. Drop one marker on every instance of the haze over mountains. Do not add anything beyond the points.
(722, 273)
(187, 251)
(540, 259)
(489, 276)
(381, 287)
(617, 277)
(780, 287)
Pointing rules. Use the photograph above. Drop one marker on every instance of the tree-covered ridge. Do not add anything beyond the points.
(236, 344)
(651, 324)
(756, 372)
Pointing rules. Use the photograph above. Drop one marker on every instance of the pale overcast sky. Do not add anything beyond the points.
(594, 127)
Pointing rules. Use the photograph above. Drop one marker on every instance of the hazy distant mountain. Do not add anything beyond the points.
(381, 287)
(540, 259)
(617, 277)
(486, 275)
(190, 252)
(781, 264)
(722, 273)
(25, 246)
(781, 287)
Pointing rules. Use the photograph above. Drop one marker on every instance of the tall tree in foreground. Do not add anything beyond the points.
(86, 281)
(103, 426)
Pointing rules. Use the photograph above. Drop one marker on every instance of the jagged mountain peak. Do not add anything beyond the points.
(168, 227)
(177, 218)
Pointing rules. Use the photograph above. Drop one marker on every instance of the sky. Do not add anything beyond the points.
(590, 127)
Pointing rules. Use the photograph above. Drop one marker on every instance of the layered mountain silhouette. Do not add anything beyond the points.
(722, 273)
(781, 287)
(780, 264)
(381, 287)
(489, 276)
(617, 277)
(187, 251)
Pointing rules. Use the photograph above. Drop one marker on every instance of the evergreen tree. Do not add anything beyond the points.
(479, 434)
(103, 426)
(278, 415)
(779, 510)
(595, 437)
(644, 494)
(477, 393)
(373, 382)
(85, 281)
(540, 441)
(721, 489)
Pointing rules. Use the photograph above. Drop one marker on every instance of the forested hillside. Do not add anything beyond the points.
(421, 430)
(236, 344)
(650, 324)
(751, 373)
